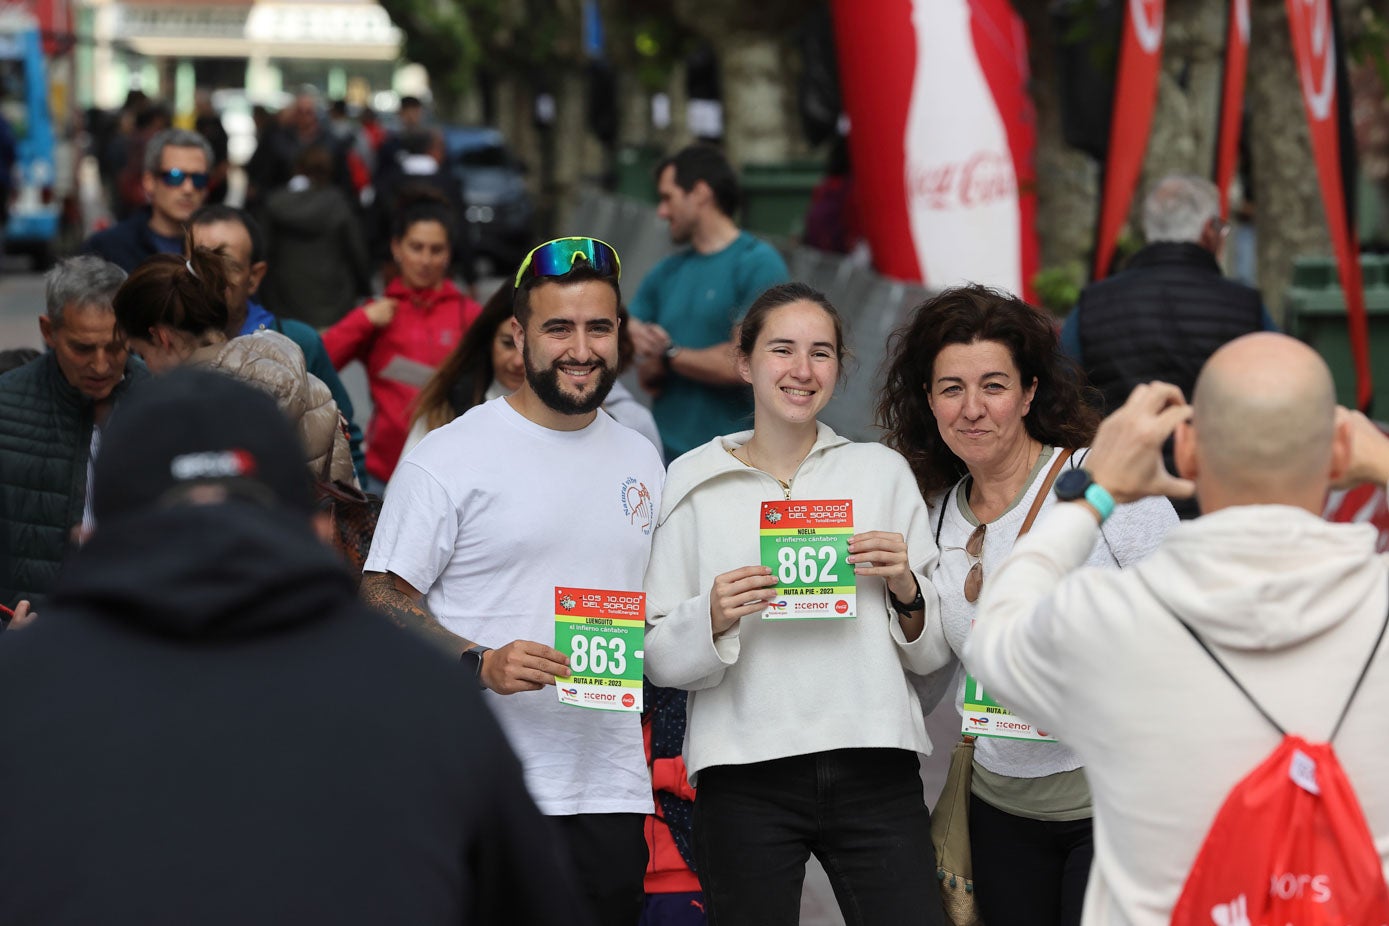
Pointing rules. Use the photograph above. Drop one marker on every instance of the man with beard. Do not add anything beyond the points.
(686, 308)
(488, 514)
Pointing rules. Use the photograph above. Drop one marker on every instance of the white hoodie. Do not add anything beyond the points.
(766, 690)
(1288, 601)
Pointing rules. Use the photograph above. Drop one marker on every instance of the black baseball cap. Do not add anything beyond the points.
(193, 427)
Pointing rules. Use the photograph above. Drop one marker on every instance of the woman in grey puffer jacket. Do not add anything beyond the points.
(174, 312)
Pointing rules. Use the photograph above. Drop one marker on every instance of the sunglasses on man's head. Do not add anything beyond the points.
(558, 257)
(174, 177)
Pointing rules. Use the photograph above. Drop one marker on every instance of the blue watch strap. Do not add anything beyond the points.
(1100, 500)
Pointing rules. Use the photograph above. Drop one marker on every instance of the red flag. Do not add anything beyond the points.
(1316, 50)
(1135, 98)
(1231, 100)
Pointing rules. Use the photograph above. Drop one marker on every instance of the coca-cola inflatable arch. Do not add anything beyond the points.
(943, 138)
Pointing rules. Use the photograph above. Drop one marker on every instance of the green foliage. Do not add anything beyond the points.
(441, 36)
(1058, 287)
(1080, 19)
(1370, 42)
(655, 45)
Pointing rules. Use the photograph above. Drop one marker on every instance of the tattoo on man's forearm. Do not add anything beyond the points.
(380, 592)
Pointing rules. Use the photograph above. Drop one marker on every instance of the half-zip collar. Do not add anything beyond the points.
(715, 461)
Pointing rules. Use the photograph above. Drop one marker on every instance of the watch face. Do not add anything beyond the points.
(1072, 484)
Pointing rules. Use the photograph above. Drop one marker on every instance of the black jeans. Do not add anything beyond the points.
(859, 811)
(609, 855)
(1029, 872)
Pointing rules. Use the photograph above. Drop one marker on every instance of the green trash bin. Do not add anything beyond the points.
(636, 172)
(777, 196)
(1315, 308)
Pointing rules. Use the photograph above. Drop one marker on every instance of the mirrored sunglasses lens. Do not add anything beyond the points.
(974, 582)
(560, 257)
(175, 178)
(975, 545)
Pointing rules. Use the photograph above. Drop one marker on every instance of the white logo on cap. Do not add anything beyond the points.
(215, 464)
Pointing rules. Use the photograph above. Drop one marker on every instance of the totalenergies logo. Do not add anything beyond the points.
(979, 721)
(778, 607)
(571, 692)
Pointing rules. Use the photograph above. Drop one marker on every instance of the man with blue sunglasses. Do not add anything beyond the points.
(176, 176)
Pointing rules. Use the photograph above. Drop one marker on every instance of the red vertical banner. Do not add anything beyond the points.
(1315, 49)
(1231, 101)
(943, 136)
(1135, 98)
(876, 47)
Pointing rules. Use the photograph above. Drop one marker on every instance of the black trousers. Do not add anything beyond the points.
(609, 855)
(859, 811)
(1028, 872)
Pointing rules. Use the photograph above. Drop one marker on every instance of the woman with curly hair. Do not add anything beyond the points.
(988, 411)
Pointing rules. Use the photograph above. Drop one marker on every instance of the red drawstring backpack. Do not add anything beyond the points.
(1290, 845)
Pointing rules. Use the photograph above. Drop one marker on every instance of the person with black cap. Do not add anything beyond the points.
(209, 727)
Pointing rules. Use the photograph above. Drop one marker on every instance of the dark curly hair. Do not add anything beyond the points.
(1064, 409)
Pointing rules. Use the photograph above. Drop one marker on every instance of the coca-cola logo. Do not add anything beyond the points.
(1316, 61)
(984, 177)
(1146, 18)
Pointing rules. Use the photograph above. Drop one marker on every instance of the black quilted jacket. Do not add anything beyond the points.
(45, 439)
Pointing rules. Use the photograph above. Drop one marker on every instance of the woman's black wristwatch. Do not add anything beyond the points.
(916, 604)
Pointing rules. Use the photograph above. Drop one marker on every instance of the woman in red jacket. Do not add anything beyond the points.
(407, 332)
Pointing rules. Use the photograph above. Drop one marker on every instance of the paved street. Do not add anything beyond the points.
(21, 303)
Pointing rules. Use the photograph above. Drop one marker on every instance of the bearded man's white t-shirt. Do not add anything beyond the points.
(486, 516)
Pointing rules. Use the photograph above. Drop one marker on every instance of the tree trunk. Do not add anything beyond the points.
(1067, 179)
(1288, 214)
(759, 108)
(1184, 124)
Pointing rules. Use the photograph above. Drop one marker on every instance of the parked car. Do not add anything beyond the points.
(499, 215)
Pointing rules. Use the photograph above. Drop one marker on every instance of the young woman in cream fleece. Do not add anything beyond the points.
(803, 735)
